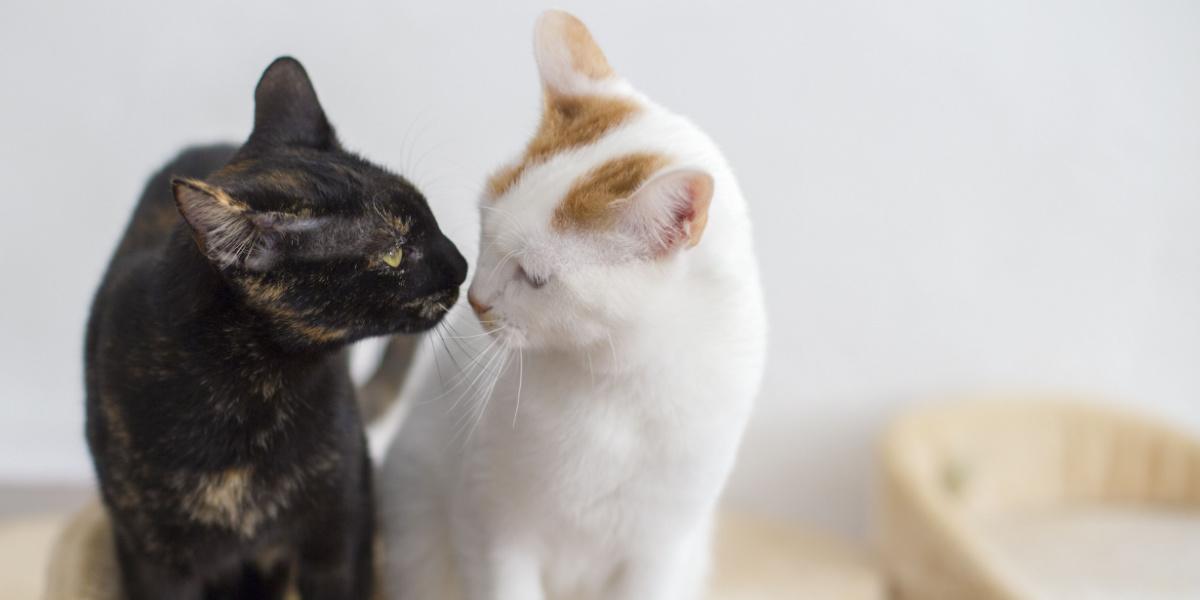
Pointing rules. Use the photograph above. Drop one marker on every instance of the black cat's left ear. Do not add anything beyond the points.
(286, 109)
(228, 232)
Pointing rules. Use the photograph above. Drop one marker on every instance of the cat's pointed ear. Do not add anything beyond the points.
(227, 231)
(669, 212)
(286, 109)
(569, 60)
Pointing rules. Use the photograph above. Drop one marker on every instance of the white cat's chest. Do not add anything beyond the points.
(611, 457)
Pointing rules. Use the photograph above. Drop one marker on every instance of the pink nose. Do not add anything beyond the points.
(479, 307)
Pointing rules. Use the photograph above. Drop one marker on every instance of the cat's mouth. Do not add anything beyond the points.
(430, 309)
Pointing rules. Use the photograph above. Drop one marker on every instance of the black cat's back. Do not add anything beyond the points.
(153, 220)
(155, 215)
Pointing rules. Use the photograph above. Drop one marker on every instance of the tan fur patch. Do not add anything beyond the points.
(268, 383)
(430, 306)
(114, 420)
(567, 122)
(261, 293)
(320, 334)
(267, 297)
(588, 203)
(287, 181)
(223, 499)
(236, 168)
(221, 196)
(586, 56)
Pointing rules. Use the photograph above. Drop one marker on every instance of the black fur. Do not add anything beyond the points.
(220, 412)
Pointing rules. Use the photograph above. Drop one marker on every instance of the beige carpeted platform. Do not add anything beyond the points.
(1040, 500)
(57, 559)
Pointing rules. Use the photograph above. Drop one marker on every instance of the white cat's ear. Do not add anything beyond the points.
(669, 212)
(568, 59)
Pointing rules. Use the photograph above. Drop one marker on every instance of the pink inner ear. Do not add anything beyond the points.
(690, 193)
(694, 216)
(673, 208)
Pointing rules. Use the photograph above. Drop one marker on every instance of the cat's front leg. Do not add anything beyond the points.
(668, 572)
(146, 580)
(656, 579)
(336, 558)
(338, 568)
(506, 572)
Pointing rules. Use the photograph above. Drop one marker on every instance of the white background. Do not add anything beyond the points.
(950, 197)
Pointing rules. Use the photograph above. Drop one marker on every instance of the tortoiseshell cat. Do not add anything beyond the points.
(220, 411)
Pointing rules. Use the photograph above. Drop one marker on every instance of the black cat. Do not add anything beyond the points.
(220, 412)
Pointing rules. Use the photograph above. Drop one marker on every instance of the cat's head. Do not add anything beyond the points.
(328, 246)
(589, 227)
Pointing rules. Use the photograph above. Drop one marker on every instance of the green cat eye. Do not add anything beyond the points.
(393, 257)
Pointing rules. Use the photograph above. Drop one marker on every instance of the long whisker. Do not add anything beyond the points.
(469, 337)
(591, 369)
(491, 359)
(437, 364)
(457, 343)
(487, 396)
(520, 382)
(460, 378)
(482, 393)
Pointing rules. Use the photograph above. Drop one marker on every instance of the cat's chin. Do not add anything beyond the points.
(426, 312)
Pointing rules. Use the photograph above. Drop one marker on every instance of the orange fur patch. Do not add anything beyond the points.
(586, 56)
(588, 203)
(567, 122)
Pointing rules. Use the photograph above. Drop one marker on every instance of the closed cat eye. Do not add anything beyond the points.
(534, 282)
(393, 257)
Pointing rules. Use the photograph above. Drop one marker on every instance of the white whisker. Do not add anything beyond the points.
(520, 382)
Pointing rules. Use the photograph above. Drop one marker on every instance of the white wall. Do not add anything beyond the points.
(949, 196)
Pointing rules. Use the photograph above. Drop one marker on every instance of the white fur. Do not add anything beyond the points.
(588, 446)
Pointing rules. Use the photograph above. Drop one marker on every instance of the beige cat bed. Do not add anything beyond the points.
(756, 560)
(1039, 500)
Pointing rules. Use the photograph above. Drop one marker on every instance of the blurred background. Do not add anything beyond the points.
(950, 197)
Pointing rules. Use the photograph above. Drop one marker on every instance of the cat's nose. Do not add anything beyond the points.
(477, 306)
(452, 261)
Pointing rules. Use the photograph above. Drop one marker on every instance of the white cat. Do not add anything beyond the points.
(618, 283)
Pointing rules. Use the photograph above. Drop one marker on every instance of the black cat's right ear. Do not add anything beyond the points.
(221, 226)
(286, 109)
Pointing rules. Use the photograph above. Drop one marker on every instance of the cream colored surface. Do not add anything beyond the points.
(756, 560)
(951, 474)
(24, 547)
(1097, 553)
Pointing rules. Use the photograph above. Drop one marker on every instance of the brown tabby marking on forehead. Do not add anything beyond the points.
(588, 202)
(258, 174)
(289, 181)
(567, 122)
(398, 224)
